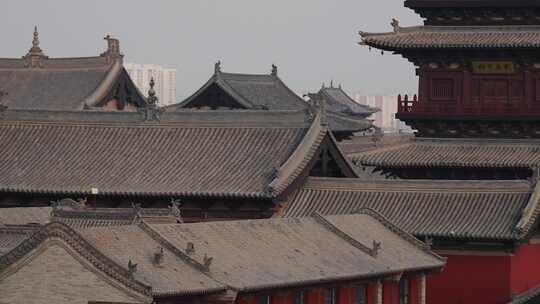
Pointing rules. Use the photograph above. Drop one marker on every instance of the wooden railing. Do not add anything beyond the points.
(412, 105)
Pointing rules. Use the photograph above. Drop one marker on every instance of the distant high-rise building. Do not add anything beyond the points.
(165, 80)
(386, 117)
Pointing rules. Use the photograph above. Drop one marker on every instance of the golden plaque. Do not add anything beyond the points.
(493, 67)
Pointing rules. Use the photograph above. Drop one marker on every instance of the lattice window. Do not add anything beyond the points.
(442, 89)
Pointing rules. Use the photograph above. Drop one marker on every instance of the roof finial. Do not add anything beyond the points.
(151, 110)
(113, 46)
(339, 86)
(217, 67)
(395, 25)
(35, 41)
(274, 70)
(332, 83)
(152, 98)
(35, 49)
(323, 85)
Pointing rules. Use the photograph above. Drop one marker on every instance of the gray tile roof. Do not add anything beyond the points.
(474, 153)
(253, 91)
(173, 276)
(339, 102)
(61, 83)
(201, 153)
(85, 216)
(264, 91)
(345, 123)
(11, 237)
(55, 89)
(455, 37)
(102, 265)
(25, 216)
(448, 209)
(203, 258)
(359, 144)
(266, 254)
(530, 296)
(269, 92)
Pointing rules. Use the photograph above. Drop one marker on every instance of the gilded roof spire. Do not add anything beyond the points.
(274, 70)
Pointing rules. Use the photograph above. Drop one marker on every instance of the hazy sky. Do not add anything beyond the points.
(311, 41)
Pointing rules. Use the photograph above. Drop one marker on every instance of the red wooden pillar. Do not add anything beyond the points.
(529, 84)
(423, 85)
(466, 96)
(413, 290)
(375, 293)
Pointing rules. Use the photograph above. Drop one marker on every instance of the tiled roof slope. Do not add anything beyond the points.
(360, 144)
(172, 276)
(252, 91)
(11, 237)
(338, 101)
(171, 260)
(475, 153)
(269, 92)
(36, 81)
(194, 153)
(265, 254)
(447, 209)
(529, 296)
(25, 216)
(263, 91)
(455, 37)
(86, 216)
(343, 123)
(58, 234)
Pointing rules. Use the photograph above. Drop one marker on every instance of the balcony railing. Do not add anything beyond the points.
(412, 105)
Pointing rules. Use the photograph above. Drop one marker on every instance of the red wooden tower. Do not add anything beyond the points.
(478, 66)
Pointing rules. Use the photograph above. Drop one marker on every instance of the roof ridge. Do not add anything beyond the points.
(326, 223)
(297, 160)
(348, 184)
(356, 157)
(82, 247)
(531, 213)
(402, 233)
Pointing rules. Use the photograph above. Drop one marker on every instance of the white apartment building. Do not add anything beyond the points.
(164, 78)
(386, 118)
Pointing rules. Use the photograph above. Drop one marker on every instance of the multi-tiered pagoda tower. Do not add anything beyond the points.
(478, 63)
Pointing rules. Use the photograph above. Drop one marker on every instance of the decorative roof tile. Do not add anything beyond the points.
(446, 209)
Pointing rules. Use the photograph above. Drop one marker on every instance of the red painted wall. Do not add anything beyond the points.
(471, 279)
(524, 268)
(413, 290)
(345, 295)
